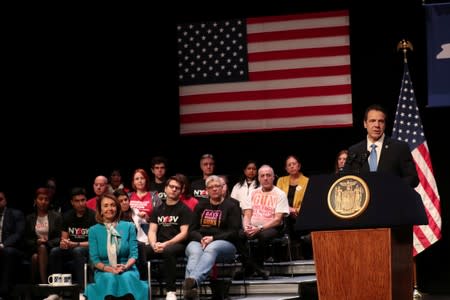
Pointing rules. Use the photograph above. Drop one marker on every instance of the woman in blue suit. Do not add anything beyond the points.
(113, 252)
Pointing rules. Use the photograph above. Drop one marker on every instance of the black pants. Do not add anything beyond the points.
(254, 255)
(169, 257)
(10, 259)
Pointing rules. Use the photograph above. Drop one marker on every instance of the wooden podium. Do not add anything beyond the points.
(364, 264)
(370, 256)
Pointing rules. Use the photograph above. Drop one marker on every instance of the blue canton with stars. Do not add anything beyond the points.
(212, 52)
(407, 124)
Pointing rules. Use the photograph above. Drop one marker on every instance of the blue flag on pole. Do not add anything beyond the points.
(438, 53)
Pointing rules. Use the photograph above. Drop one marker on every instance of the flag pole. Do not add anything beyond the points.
(404, 45)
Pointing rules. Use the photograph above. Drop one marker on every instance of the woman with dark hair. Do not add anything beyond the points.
(115, 182)
(247, 183)
(131, 214)
(42, 232)
(186, 195)
(113, 251)
(341, 158)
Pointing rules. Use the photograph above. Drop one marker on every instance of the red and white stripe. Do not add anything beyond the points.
(299, 78)
(426, 235)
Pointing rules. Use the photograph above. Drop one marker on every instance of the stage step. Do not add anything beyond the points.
(284, 268)
(296, 267)
(279, 285)
(275, 288)
(284, 281)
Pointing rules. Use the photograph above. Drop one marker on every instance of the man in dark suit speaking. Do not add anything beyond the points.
(380, 153)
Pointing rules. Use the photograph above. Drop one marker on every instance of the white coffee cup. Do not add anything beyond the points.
(55, 279)
(66, 279)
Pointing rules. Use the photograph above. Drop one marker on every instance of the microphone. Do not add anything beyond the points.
(351, 157)
(364, 157)
(349, 166)
(355, 162)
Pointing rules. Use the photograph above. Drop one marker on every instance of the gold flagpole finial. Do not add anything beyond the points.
(404, 45)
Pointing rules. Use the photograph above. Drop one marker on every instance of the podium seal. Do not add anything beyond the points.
(348, 197)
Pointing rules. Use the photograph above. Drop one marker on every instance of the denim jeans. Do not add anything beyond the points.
(201, 261)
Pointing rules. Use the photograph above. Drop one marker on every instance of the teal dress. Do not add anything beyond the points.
(115, 284)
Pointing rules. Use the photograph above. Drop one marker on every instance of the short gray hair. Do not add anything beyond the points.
(212, 178)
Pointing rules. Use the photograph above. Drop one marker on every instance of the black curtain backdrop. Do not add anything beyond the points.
(89, 89)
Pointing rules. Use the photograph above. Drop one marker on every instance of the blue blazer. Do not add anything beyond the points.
(395, 158)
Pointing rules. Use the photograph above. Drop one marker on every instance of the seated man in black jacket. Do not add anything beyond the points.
(12, 227)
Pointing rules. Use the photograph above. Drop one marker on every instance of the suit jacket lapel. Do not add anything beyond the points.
(384, 153)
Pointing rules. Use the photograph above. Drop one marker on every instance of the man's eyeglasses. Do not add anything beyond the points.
(174, 187)
(216, 186)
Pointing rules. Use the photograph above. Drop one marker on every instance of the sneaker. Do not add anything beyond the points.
(171, 296)
(190, 288)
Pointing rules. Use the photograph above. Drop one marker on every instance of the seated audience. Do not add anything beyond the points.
(100, 187)
(142, 199)
(113, 251)
(12, 224)
(57, 203)
(42, 233)
(73, 245)
(264, 212)
(131, 214)
(213, 235)
(294, 186)
(159, 169)
(198, 187)
(247, 183)
(115, 182)
(186, 196)
(168, 231)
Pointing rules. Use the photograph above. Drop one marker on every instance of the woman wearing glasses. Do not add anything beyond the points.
(213, 235)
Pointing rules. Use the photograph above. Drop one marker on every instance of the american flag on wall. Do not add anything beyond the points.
(408, 128)
(265, 73)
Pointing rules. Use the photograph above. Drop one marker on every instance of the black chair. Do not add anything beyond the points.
(220, 282)
(156, 265)
(281, 241)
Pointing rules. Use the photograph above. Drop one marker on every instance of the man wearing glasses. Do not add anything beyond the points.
(168, 231)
